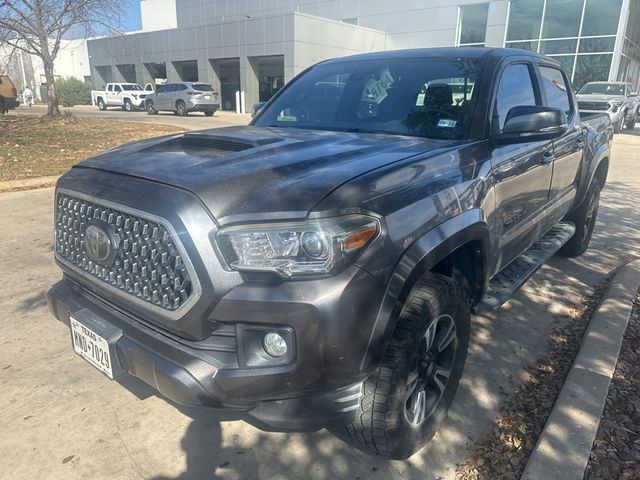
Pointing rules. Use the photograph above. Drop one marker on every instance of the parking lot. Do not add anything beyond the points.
(193, 121)
(59, 418)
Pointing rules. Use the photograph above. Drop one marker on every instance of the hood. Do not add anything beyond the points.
(599, 98)
(246, 171)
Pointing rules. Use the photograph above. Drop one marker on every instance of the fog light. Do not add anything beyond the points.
(274, 345)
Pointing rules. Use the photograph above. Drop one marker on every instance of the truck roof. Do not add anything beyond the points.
(444, 52)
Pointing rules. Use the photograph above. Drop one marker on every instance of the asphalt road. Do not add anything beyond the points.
(60, 418)
(194, 121)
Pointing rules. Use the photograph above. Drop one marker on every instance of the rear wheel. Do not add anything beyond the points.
(407, 397)
(101, 105)
(209, 113)
(181, 109)
(127, 106)
(584, 218)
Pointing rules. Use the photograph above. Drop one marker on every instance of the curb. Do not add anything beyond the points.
(28, 183)
(564, 446)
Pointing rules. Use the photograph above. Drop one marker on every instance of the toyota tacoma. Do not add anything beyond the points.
(318, 267)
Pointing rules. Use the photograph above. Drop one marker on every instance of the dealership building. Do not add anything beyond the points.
(255, 46)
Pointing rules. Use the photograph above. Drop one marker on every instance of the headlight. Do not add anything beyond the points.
(313, 247)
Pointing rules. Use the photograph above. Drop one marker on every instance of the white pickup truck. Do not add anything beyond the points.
(128, 96)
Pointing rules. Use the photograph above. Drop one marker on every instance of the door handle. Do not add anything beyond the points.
(547, 157)
(579, 144)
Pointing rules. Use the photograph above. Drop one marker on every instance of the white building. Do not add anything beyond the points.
(257, 45)
(25, 69)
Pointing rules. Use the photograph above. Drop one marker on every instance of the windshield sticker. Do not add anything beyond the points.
(376, 89)
(447, 123)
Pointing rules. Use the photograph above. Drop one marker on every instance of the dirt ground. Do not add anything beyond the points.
(32, 146)
(616, 450)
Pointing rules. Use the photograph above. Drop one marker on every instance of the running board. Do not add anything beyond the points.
(508, 280)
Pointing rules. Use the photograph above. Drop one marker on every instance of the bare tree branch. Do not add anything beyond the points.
(38, 27)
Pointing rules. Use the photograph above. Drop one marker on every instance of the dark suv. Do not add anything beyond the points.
(183, 98)
(318, 267)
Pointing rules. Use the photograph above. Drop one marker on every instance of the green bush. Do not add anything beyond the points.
(72, 91)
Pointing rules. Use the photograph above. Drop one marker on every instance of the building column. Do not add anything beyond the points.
(172, 73)
(213, 75)
(617, 51)
(142, 75)
(249, 82)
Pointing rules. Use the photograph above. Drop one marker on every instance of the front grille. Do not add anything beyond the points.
(147, 263)
(603, 106)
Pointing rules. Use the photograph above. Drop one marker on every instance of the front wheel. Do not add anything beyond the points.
(406, 399)
(127, 106)
(209, 113)
(151, 108)
(617, 128)
(632, 123)
(584, 218)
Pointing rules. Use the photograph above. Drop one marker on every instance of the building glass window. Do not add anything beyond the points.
(473, 24)
(525, 19)
(601, 17)
(593, 45)
(558, 46)
(592, 68)
(570, 31)
(562, 18)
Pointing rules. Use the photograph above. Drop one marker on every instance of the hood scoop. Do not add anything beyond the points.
(210, 145)
(226, 143)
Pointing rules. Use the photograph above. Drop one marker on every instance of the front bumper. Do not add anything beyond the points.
(309, 393)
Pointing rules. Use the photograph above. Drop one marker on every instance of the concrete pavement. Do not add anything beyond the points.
(194, 121)
(55, 407)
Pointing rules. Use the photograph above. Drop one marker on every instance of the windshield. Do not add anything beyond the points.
(427, 97)
(131, 86)
(602, 89)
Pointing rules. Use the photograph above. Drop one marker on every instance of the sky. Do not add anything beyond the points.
(132, 16)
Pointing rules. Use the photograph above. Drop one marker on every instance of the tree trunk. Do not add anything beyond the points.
(52, 102)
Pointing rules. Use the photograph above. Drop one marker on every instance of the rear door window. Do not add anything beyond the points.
(556, 89)
(515, 90)
(203, 87)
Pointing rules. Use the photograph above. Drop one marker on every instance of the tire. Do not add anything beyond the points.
(127, 106)
(632, 123)
(617, 128)
(181, 109)
(150, 108)
(101, 105)
(405, 400)
(584, 218)
(209, 113)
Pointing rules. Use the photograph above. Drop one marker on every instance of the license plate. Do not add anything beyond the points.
(207, 97)
(92, 347)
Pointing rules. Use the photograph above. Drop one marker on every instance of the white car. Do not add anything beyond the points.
(128, 96)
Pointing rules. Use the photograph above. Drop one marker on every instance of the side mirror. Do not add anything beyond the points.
(633, 95)
(532, 124)
(256, 108)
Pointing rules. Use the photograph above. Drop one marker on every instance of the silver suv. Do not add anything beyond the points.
(182, 98)
(617, 99)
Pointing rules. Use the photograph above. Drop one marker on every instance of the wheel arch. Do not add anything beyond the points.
(461, 243)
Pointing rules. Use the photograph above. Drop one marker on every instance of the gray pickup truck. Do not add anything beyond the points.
(619, 100)
(318, 268)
